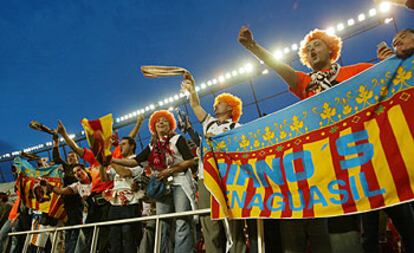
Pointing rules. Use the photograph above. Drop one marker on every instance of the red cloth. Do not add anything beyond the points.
(158, 156)
(98, 185)
(344, 74)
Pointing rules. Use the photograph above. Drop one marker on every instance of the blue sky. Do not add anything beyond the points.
(73, 59)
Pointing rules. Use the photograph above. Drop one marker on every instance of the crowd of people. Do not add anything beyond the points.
(167, 176)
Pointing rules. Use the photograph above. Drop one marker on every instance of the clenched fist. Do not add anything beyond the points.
(246, 37)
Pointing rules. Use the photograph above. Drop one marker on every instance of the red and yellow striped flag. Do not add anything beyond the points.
(98, 134)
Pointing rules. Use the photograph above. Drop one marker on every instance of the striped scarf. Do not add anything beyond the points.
(323, 80)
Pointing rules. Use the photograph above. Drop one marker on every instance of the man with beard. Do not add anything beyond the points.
(403, 44)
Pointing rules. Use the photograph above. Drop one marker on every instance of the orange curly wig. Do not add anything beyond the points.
(333, 42)
(161, 114)
(234, 102)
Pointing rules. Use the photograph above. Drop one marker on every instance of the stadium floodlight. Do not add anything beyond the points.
(340, 27)
(351, 22)
(385, 7)
(361, 17)
(248, 67)
(221, 79)
(330, 30)
(278, 55)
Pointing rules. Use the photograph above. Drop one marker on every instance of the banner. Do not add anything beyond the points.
(27, 182)
(98, 134)
(347, 150)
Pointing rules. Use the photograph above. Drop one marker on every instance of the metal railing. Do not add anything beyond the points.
(97, 225)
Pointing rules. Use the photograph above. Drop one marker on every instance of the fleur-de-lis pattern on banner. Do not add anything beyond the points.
(344, 101)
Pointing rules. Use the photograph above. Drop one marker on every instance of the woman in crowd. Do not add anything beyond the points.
(170, 160)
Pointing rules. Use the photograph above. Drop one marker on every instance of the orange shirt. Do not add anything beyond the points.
(15, 208)
(344, 74)
(98, 185)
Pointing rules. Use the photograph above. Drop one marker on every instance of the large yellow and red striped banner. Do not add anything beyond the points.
(347, 150)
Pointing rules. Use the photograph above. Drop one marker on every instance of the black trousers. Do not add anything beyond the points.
(96, 213)
(402, 217)
(124, 238)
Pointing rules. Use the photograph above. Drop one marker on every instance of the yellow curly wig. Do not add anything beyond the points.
(161, 114)
(333, 42)
(234, 102)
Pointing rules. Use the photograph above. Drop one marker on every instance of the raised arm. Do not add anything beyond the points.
(137, 126)
(121, 170)
(286, 72)
(62, 191)
(71, 143)
(55, 151)
(125, 162)
(102, 173)
(188, 85)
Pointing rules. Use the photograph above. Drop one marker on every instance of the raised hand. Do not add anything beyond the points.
(384, 52)
(245, 37)
(140, 119)
(61, 128)
(188, 83)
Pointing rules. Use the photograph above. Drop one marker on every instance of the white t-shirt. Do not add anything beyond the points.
(212, 126)
(123, 186)
(84, 190)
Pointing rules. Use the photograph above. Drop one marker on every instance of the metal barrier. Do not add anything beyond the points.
(97, 225)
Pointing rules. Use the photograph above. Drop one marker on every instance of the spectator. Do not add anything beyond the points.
(170, 159)
(403, 44)
(319, 52)
(124, 200)
(81, 187)
(228, 110)
(402, 216)
(98, 207)
(73, 203)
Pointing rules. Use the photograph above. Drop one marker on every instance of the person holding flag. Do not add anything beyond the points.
(98, 207)
(228, 109)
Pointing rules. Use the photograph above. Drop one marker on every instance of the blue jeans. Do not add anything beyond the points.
(177, 201)
(71, 237)
(4, 231)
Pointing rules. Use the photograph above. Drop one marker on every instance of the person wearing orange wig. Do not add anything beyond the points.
(170, 160)
(227, 112)
(319, 51)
